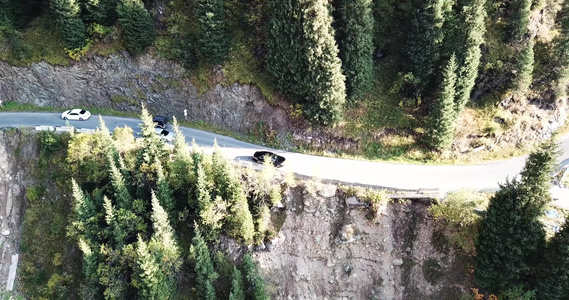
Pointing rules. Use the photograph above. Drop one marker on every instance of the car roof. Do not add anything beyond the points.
(159, 118)
(76, 110)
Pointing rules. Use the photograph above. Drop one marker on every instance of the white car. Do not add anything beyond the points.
(165, 134)
(76, 114)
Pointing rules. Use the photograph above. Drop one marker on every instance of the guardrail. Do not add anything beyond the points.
(63, 129)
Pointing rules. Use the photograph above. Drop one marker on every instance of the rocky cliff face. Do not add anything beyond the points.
(17, 154)
(122, 83)
(330, 248)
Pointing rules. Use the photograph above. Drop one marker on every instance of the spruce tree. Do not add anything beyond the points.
(553, 274)
(165, 193)
(561, 50)
(327, 93)
(70, 24)
(103, 12)
(137, 28)
(286, 59)
(510, 236)
(525, 62)
(474, 15)
(254, 280)
(521, 11)
(237, 292)
(203, 266)
(151, 279)
(213, 38)
(423, 46)
(241, 224)
(443, 116)
(180, 166)
(355, 43)
(163, 233)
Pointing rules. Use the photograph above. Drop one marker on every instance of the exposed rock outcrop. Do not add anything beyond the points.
(121, 82)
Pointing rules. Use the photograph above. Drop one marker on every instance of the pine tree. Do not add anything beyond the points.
(511, 235)
(151, 277)
(561, 50)
(553, 275)
(241, 224)
(520, 18)
(137, 28)
(423, 45)
(285, 48)
(91, 262)
(181, 165)
(525, 66)
(122, 195)
(237, 292)
(474, 13)
(327, 93)
(303, 57)
(443, 116)
(202, 191)
(103, 12)
(203, 266)
(213, 37)
(221, 172)
(254, 281)
(163, 232)
(86, 215)
(355, 40)
(165, 193)
(70, 24)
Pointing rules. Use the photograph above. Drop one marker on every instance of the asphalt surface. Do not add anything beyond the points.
(389, 175)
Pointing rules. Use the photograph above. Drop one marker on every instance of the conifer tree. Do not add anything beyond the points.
(181, 165)
(70, 24)
(525, 66)
(151, 278)
(286, 59)
(165, 193)
(237, 292)
(553, 274)
(103, 12)
(202, 191)
(241, 224)
(163, 232)
(213, 37)
(511, 235)
(443, 116)
(203, 266)
(475, 13)
(221, 172)
(254, 281)
(423, 45)
(86, 215)
(520, 18)
(137, 27)
(355, 41)
(561, 50)
(91, 262)
(122, 195)
(327, 93)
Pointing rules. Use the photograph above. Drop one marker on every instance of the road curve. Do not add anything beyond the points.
(390, 175)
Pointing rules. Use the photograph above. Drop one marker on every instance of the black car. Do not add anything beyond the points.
(160, 121)
(261, 156)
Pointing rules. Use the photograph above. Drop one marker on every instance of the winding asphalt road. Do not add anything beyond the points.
(389, 175)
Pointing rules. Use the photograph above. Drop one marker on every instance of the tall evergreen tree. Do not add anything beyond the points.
(521, 10)
(254, 280)
(70, 24)
(286, 59)
(213, 38)
(525, 62)
(303, 57)
(443, 117)
(137, 28)
(237, 292)
(327, 93)
(561, 51)
(423, 45)
(474, 15)
(164, 192)
(553, 274)
(203, 266)
(355, 43)
(102, 12)
(150, 276)
(511, 236)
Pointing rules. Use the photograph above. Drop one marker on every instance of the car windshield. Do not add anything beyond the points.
(82, 111)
